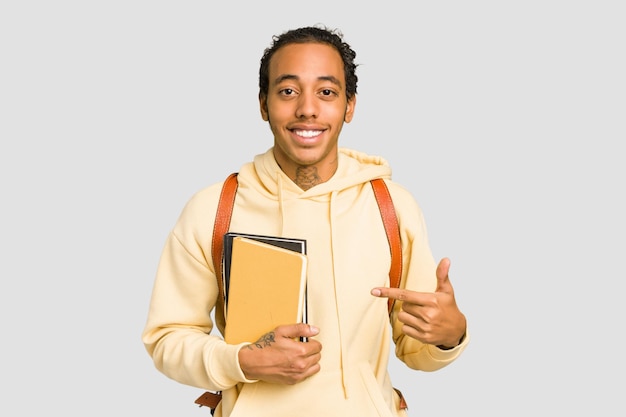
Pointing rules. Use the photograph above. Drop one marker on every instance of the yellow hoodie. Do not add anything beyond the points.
(348, 255)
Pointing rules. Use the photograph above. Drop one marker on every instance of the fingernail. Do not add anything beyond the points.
(314, 329)
(376, 292)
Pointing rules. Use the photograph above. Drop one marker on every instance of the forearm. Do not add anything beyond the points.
(177, 334)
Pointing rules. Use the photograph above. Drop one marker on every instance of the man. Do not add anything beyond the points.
(305, 186)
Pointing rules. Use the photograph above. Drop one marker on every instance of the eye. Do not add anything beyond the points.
(287, 92)
(328, 94)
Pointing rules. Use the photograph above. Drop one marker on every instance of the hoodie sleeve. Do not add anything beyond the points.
(177, 334)
(418, 274)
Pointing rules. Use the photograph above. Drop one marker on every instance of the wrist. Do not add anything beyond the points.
(446, 347)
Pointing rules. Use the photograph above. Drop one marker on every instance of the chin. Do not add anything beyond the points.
(306, 159)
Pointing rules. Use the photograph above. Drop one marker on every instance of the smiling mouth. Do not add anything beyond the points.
(308, 133)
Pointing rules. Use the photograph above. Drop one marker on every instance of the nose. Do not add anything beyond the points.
(307, 106)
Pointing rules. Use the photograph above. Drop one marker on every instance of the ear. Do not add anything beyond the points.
(263, 107)
(350, 109)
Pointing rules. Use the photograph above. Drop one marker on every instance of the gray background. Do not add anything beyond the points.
(505, 119)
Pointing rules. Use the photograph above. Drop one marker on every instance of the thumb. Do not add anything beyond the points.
(443, 279)
(293, 331)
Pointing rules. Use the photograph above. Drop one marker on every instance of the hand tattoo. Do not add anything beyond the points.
(264, 341)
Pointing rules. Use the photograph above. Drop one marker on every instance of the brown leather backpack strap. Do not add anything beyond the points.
(209, 399)
(392, 228)
(390, 221)
(220, 227)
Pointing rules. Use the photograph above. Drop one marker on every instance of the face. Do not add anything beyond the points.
(306, 108)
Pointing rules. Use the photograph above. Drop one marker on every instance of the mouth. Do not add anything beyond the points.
(307, 134)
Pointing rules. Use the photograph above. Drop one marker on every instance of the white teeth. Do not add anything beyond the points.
(308, 133)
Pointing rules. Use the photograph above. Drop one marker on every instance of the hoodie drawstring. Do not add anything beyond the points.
(343, 358)
(281, 207)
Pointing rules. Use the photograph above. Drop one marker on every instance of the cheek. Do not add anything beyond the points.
(277, 115)
(278, 110)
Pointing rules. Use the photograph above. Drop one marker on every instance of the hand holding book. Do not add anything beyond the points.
(279, 358)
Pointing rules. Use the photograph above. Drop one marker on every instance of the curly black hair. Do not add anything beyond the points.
(311, 34)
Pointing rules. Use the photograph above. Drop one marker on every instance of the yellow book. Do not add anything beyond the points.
(266, 289)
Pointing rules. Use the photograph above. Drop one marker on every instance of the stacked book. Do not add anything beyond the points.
(264, 284)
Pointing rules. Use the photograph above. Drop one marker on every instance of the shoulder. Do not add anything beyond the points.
(402, 198)
(198, 215)
(408, 210)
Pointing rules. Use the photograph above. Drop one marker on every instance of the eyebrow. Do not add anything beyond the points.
(284, 77)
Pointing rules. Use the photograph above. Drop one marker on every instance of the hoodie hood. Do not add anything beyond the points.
(353, 168)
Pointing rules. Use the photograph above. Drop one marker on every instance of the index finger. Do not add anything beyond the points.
(395, 293)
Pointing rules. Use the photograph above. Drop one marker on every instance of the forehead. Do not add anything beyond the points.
(305, 60)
